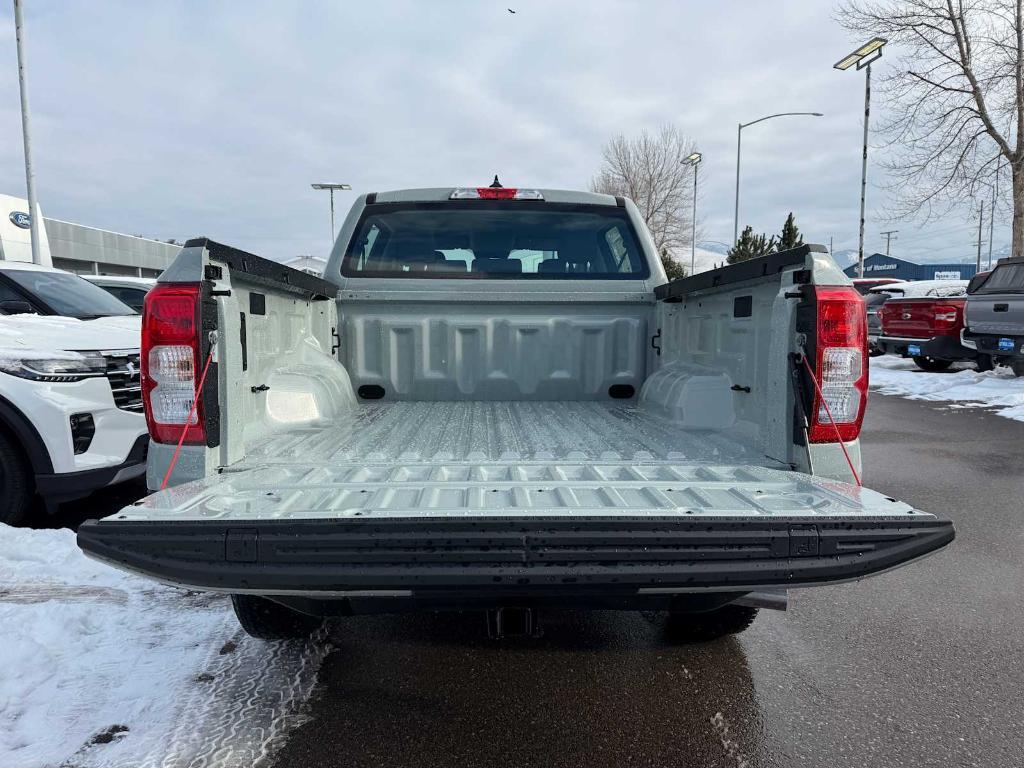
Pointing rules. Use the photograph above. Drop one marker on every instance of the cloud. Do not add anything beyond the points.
(190, 118)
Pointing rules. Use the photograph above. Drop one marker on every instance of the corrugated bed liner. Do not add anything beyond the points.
(501, 431)
(466, 459)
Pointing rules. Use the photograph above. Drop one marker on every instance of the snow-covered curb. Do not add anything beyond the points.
(101, 668)
(998, 389)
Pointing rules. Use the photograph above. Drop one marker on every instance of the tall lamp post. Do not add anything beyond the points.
(331, 188)
(863, 57)
(739, 139)
(694, 160)
(30, 177)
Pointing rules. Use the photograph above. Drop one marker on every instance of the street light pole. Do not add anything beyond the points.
(863, 57)
(331, 187)
(739, 139)
(30, 177)
(992, 217)
(693, 223)
(864, 169)
(981, 222)
(736, 207)
(694, 160)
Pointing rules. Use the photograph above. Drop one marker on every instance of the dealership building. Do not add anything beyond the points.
(880, 265)
(78, 248)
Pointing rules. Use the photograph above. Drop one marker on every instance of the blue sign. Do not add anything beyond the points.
(20, 219)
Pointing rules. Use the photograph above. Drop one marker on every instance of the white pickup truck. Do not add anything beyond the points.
(493, 400)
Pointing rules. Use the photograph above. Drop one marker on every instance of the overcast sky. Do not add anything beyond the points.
(175, 119)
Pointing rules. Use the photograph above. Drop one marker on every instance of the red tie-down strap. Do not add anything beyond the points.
(828, 411)
(191, 413)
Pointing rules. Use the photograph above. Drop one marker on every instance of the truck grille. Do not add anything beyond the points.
(125, 377)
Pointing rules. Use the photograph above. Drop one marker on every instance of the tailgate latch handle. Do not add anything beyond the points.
(1000, 307)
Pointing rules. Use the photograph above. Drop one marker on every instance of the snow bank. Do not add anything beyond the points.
(105, 669)
(998, 389)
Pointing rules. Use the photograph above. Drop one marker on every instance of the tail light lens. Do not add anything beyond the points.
(171, 358)
(946, 315)
(840, 365)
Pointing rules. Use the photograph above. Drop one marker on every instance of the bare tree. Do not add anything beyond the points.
(649, 170)
(956, 99)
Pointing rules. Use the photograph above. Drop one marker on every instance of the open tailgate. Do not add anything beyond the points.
(519, 526)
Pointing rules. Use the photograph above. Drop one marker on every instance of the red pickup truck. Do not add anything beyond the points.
(924, 321)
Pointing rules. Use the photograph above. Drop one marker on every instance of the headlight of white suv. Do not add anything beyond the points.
(51, 365)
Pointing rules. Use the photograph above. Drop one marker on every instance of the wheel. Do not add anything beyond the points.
(1017, 366)
(875, 352)
(16, 480)
(712, 625)
(266, 620)
(931, 363)
(984, 363)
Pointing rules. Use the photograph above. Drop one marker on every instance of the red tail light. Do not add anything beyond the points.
(946, 315)
(840, 365)
(171, 359)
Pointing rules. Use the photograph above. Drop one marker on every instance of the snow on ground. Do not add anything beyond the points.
(104, 669)
(998, 389)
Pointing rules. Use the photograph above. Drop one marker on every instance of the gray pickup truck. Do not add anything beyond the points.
(994, 317)
(493, 400)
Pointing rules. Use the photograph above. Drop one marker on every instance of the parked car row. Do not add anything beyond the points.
(940, 322)
(71, 416)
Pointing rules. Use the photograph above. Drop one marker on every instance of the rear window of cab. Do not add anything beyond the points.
(484, 239)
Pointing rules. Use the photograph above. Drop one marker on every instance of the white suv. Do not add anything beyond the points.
(71, 414)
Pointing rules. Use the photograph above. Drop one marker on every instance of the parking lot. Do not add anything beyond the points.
(917, 667)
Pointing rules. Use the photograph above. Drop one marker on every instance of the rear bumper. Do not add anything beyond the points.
(988, 343)
(504, 557)
(939, 347)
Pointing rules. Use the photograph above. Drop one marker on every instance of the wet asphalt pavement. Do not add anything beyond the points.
(920, 667)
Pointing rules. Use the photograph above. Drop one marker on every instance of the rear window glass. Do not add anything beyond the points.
(1007, 278)
(494, 239)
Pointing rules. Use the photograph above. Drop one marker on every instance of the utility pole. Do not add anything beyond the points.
(981, 220)
(888, 238)
(831, 250)
(30, 178)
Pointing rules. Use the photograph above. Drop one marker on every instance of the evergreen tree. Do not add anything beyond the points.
(673, 269)
(750, 246)
(791, 237)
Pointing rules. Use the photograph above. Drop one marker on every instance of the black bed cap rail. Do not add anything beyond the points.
(762, 266)
(266, 271)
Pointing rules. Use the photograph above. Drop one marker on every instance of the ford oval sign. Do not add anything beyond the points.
(20, 219)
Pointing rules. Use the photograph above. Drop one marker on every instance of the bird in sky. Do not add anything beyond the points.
(510, 10)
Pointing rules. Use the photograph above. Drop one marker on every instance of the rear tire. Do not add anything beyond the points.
(1017, 366)
(16, 481)
(931, 363)
(266, 620)
(984, 363)
(711, 625)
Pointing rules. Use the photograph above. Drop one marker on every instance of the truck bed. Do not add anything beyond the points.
(454, 459)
